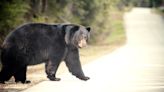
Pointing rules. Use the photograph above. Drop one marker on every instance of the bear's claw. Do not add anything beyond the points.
(24, 82)
(55, 79)
(84, 78)
(2, 82)
(52, 78)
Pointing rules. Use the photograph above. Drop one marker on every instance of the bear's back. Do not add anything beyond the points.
(33, 42)
(33, 32)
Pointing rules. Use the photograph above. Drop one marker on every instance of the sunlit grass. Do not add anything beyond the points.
(159, 11)
(117, 36)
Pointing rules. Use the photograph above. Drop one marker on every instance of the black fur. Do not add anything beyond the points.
(36, 43)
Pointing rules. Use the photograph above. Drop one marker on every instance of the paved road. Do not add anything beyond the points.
(136, 67)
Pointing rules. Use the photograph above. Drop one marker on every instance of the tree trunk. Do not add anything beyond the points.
(44, 6)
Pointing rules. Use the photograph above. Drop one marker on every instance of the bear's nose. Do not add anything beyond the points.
(82, 43)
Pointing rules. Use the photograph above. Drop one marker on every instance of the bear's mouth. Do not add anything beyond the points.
(82, 43)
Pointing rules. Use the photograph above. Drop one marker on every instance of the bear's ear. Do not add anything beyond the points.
(88, 28)
(75, 28)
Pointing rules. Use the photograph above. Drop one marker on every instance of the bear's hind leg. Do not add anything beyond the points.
(20, 75)
(51, 69)
(5, 74)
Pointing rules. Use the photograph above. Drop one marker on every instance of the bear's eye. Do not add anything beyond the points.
(85, 37)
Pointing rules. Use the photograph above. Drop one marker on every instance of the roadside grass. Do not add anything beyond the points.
(111, 40)
(159, 11)
(116, 34)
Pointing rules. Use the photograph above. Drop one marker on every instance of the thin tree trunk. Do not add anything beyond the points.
(44, 6)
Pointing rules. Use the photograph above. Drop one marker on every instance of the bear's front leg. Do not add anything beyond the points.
(73, 63)
(51, 68)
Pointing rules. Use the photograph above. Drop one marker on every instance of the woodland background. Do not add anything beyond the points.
(104, 16)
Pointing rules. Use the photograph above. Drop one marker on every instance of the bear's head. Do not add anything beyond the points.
(77, 35)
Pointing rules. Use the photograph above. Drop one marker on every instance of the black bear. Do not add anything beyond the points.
(35, 43)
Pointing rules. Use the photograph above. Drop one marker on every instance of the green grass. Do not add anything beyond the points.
(117, 36)
(159, 11)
